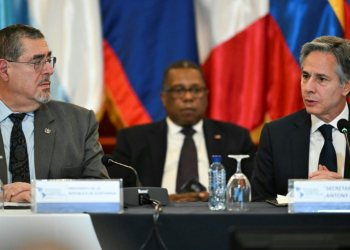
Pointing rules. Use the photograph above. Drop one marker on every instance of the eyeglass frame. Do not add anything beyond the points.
(184, 90)
(53, 58)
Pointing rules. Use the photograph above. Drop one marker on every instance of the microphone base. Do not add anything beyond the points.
(133, 195)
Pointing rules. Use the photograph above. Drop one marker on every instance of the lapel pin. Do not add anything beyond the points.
(47, 130)
(1, 157)
(217, 136)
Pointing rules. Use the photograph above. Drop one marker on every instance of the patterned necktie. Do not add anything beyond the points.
(188, 163)
(328, 156)
(19, 165)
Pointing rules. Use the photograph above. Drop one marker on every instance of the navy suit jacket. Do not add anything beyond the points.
(144, 148)
(283, 154)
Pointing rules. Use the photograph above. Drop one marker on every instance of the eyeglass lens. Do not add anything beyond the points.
(196, 92)
(51, 61)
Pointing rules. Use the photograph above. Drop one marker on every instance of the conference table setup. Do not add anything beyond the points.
(179, 225)
(191, 225)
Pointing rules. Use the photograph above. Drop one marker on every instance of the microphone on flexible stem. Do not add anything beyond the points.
(344, 126)
(108, 161)
(139, 195)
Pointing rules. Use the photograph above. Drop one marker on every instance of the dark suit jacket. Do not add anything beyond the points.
(283, 154)
(144, 148)
(71, 150)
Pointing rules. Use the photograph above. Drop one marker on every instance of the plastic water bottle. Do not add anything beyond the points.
(217, 184)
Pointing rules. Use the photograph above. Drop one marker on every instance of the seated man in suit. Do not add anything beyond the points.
(40, 139)
(158, 150)
(300, 145)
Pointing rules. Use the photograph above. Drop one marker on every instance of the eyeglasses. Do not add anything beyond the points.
(180, 92)
(39, 65)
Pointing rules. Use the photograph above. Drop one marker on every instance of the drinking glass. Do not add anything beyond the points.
(238, 188)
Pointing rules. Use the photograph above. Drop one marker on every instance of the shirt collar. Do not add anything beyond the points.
(5, 112)
(316, 123)
(174, 129)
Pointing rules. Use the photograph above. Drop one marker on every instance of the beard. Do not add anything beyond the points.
(44, 96)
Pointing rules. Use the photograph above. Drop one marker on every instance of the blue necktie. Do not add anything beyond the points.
(19, 165)
(188, 162)
(328, 156)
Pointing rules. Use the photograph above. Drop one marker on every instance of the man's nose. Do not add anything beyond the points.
(188, 94)
(309, 85)
(47, 68)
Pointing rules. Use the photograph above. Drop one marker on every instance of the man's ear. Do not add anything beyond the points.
(162, 97)
(3, 70)
(346, 88)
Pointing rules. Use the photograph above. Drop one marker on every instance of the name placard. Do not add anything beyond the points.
(320, 196)
(77, 196)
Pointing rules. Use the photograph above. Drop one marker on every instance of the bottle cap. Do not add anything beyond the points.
(216, 158)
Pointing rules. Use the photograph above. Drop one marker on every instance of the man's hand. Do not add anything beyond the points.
(18, 191)
(192, 196)
(324, 173)
(23, 196)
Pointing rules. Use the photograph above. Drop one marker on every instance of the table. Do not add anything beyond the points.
(21, 229)
(190, 225)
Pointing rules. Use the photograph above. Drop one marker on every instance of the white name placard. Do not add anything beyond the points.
(77, 196)
(320, 195)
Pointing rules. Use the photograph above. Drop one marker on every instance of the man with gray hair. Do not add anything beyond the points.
(307, 143)
(39, 138)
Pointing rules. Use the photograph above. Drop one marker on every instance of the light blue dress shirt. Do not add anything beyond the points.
(28, 130)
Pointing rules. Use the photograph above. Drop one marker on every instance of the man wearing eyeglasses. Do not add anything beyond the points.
(40, 139)
(178, 149)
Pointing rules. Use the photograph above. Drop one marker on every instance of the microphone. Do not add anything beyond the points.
(344, 126)
(108, 161)
(139, 195)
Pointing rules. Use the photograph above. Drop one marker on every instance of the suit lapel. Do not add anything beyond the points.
(3, 165)
(157, 140)
(44, 138)
(300, 144)
(347, 158)
(213, 139)
(347, 163)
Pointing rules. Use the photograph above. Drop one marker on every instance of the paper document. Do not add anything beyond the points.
(281, 199)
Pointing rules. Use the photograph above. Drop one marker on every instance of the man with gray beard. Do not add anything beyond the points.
(40, 139)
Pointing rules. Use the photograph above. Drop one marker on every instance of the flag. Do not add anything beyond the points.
(249, 52)
(73, 32)
(141, 38)
(346, 23)
(12, 12)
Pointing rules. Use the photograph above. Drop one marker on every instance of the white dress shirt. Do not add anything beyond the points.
(28, 130)
(174, 144)
(317, 141)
